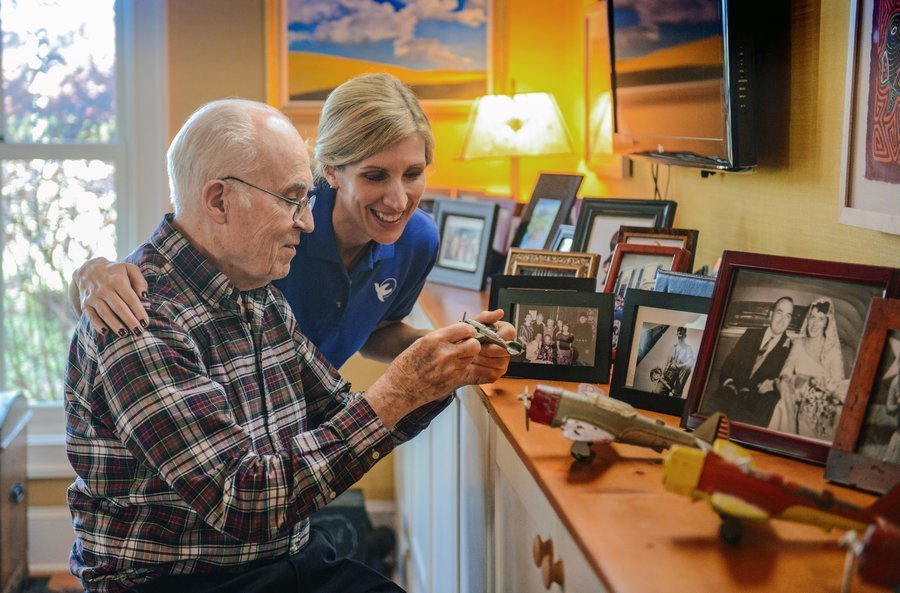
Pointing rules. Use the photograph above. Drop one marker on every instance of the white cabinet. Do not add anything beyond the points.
(528, 532)
(428, 505)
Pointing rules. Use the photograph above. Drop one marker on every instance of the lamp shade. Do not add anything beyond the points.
(525, 124)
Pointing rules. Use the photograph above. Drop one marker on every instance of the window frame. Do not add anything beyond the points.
(141, 183)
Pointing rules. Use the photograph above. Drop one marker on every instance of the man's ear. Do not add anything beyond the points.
(213, 201)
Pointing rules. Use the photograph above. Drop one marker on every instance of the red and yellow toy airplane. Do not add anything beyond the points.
(724, 478)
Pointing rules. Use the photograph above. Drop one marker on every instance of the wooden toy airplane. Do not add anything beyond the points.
(725, 478)
(595, 418)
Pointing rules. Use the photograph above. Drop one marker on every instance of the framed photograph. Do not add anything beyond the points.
(870, 179)
(658, 346)
(562, 240)
(684, 238)
(866, 448)
(506, 212)
(466, 230)
(313, 51)
(549, 207)
(540, 262)
(565, 333)
(776, 356)
(499, 281)
(636, 266)
(599, 219)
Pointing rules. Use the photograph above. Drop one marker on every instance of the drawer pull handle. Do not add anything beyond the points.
(552, 572)
(541, 549)
(17, 493)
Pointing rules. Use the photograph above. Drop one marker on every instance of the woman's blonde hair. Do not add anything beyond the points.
(366, 115)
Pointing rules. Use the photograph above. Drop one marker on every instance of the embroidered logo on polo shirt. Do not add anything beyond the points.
(385, 289)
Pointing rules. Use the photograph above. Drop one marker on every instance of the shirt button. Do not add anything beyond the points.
(331, 495)
(376, 455)
(339, 304)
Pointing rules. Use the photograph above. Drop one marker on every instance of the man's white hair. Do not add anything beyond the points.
(218, 139)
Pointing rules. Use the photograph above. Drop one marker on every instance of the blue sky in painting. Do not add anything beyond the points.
(417, 34)
(644, 26)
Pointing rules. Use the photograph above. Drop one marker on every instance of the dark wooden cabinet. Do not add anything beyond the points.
(14, 415)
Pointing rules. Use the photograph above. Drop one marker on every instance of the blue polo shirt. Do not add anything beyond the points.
(338, 310)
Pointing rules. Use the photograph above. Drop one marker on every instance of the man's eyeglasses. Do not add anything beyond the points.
(307, 200)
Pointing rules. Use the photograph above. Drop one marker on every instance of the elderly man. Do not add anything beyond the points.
(202, 444)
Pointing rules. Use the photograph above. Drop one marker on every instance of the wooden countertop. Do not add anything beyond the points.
(640, 538)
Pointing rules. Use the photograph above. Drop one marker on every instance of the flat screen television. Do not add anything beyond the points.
(682, 78)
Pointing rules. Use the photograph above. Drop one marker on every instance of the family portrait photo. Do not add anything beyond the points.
(558, 335)
(784, 352)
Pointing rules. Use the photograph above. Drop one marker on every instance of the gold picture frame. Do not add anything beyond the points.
(540, 262)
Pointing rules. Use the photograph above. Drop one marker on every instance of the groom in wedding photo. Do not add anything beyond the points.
(747, 390)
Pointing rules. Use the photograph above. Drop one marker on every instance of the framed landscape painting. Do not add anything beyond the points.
(442, 54)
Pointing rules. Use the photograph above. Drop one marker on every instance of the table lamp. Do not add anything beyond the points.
(524, 124)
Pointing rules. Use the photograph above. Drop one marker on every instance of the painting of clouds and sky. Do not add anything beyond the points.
(438, 47)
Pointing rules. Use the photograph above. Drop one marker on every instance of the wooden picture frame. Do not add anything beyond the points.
(549, 206)
(466, 231)
(636, 266)
(870, 181)
(658, 343)
(499, 281)
(445, 86)
(599, 220)
(866, 449)
(638, 257)
(684, 238)
(586, 355)
(755, 383)
(541, 262)
(562, 240)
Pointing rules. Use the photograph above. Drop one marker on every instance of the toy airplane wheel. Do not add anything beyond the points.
(581, 450)
(731, 530)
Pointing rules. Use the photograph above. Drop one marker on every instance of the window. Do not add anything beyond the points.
(72, 184)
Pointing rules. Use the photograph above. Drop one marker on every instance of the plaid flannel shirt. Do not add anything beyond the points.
(204, 444)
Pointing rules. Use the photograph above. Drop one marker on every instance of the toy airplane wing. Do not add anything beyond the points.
(732, 506)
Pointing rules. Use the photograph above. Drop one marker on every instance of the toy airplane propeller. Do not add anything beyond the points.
(595, 418)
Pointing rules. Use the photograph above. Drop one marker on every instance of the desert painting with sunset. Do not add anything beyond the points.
(438, 50)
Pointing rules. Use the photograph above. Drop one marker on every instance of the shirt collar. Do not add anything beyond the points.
(193, 267)
(322, 243)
